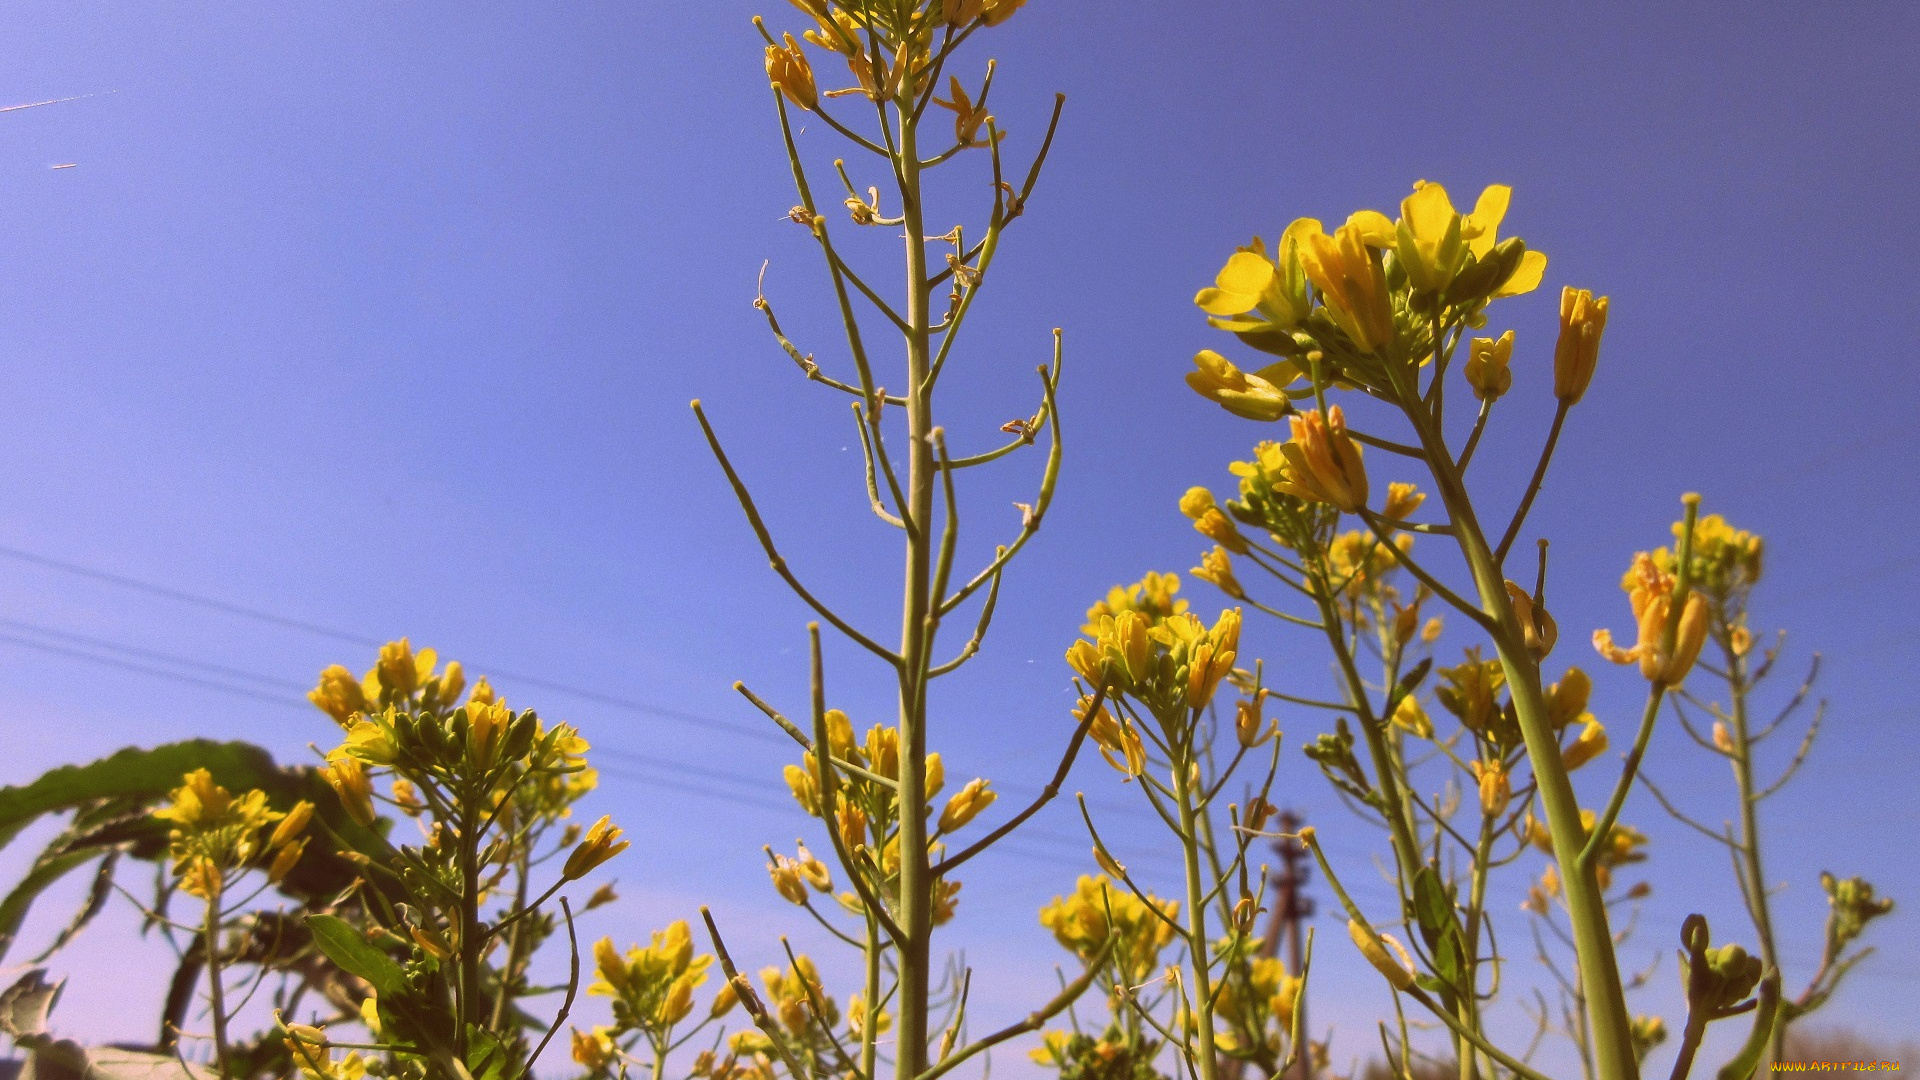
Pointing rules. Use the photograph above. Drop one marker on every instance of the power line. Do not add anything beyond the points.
(216, 604)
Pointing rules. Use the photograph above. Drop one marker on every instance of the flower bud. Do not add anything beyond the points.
(348, 778)
(293, 824)
(966, 805)
(1323, 463)
(1591, 743)
(593, 1050)
(788, 69)
(1722, 738)
(339, 694)
(1582, 320)
(602, 842)
(1216, 566)
(1486, 369)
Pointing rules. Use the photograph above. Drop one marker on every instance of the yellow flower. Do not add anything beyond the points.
(349, 780)
(1216, 566)
(338, 695)
(1402, 500)
(788, 69)
(1591, 743)
(1117, 740)
(486, 727)
(292, 825)
(966, 804)
(1198, 505)
(1255, 294)
(1481, 229)
(1083, 921)
(786, 880)
(1582, 320)
(1567, 699)
(1650, 592)
(967, 117)
(432, 942)
(1346, 270)
(400, 671)
(1152, 595)
(368, 741)
(1496, 786)
(284, 862)
(1431, 247)
(1487, 371)
(1411, 718)
(1212, 659)
(1323, 463)
(594, 1049)
(1257, 395)
(602, 842)
(1536, 626)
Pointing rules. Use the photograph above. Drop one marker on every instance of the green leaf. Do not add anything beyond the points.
(1430, 904)
(346, 947)
(149, 774)
(1449, 959)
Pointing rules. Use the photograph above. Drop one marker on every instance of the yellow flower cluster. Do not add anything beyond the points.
(1099, 909)
(652, 988)
(216, 834)
(1152, 596)
(1726, 560)
(1172, 664)
(1258, 1008)
(1369, 279)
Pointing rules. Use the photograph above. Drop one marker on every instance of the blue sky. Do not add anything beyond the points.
(383, 319)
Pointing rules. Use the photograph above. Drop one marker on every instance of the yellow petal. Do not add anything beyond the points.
(1224, 302)
(1245, 272)
(1428, 212)
(1533, 267)
(1484, 223)
(1374, 228)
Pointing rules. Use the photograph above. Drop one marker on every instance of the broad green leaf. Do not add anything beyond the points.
(1430, 904)
(345, 946)
(136, 772)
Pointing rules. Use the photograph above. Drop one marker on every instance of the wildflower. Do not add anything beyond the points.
(1255, 294)
(786, 880)
(602, 843)
(1852, 906)
(1082, 923)
(1248, 726)
(789, 71)
(966, 804)
(1345, 268)
(1591, 743)
(1216, 566)
(1430, 245)
(1582, 320)
(432, 943)
(593, 1049)
(1487, 371)
(1647, 1032)
(1402, 500)
(1481, 230)
(1496, 786)
(1255, 395)
(1411, 718)
(1567, 699)
(1212, 659)
(1198, 505)
(1153, 596)
(967, 117)
(1650, 593)
(349, 780)
(285, 859)
(400, 670)
(338, 695)
(1373, 946)
(1323, 463)
(1117, 740)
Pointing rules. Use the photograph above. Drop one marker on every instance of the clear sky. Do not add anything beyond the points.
(382, 319)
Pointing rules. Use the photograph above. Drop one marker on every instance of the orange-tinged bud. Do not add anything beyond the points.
(966, 804)
(1583, 318)
(1591, 744)
(592, 1050)
(1323, 463)
(1496, 787)
(1536, 626)
(788, 69)
(1402, 500)
(1722, 738)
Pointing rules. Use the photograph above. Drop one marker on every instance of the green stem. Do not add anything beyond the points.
(1586, 907)
(1198, 953)
(918, 621)
(467, 1004)
(1737, 686)
(215, 991)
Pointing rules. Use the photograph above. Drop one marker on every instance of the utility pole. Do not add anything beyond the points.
(1291, 907)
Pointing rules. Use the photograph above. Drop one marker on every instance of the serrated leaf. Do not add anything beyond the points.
(346, 947)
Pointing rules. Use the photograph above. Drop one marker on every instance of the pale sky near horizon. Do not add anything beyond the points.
(381, 319)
